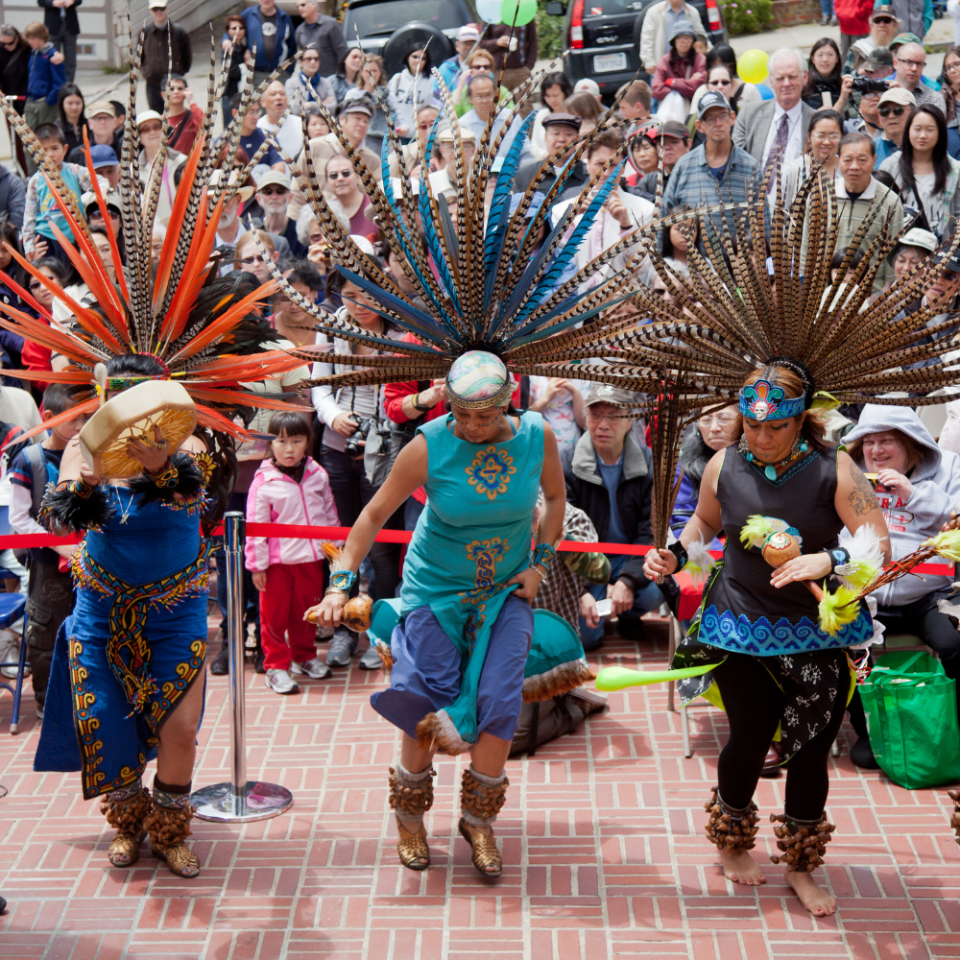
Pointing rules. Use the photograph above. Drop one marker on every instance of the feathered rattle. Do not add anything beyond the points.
(356, 612)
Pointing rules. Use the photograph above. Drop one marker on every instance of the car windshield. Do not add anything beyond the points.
(381, 19)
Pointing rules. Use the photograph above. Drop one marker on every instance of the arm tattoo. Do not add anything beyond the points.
(862, 498)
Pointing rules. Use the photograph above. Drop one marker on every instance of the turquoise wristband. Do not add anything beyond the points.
(343, 580)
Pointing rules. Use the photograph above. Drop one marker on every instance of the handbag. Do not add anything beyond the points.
(673, 107)
(911, 709)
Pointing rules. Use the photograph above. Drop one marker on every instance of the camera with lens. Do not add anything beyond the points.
(869, 85)
(352, 448)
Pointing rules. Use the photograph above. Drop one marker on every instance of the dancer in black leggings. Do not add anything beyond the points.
(775, 668)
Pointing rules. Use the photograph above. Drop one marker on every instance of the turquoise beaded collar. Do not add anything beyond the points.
(770, 469)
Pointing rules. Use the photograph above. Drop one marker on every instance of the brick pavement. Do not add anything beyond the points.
(602, 850)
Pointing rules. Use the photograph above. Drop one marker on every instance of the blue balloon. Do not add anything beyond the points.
(765, 91)
(489, 10)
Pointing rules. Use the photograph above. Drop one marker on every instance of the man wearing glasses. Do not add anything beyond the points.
(909, 61)
(883, 27)
(896, 106)
(321, 33)
(717, 170)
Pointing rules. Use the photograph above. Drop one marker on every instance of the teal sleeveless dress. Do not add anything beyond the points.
(461, 648)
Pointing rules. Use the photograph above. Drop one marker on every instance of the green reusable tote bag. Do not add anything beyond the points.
(911, 708)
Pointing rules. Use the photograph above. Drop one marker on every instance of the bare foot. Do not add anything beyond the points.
(817, 901)
(740, 867)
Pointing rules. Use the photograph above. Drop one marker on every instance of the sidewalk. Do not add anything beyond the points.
(604, 854)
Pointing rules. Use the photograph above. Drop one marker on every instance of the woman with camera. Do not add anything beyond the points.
(350, 417)
(826, 86)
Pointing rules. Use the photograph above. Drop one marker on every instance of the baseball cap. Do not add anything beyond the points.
(468, 32)
(355, 105)
(142, 118)
(898, 95)
(245, 192)
(672, 128)
(607, 393)
(158, 4)
(89, 200)
(711, 99)
(275, 178)
(883, 8)
(103, 156)
(879, 58)
(901, 38)
(586, 85)
(101, 106)
(916, 237)
(951, 263)
(568, 119)
(446, 135)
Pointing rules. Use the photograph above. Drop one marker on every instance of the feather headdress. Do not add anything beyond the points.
(206, 332)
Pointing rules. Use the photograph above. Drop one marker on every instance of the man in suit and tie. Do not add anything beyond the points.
(774, 132)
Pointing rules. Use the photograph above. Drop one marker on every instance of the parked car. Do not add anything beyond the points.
(603, 37)
(390, 27)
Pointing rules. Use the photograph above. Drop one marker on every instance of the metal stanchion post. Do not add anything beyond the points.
(240, 800)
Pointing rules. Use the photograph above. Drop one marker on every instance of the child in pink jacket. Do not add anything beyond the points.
(289, 487)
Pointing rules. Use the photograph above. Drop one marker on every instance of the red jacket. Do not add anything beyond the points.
(854, 16)
(672, 74)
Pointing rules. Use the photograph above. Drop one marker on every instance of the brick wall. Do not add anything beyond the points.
(788, 13)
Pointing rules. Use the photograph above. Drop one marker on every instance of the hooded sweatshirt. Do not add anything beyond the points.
(936, 491)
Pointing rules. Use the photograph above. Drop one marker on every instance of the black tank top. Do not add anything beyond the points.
(803, 497)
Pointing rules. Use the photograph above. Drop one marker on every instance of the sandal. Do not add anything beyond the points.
(412, 847)
(126, 810)
(411, 796)
(484, 852)
(168, 824)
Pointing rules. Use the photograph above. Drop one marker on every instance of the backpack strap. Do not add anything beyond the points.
(38, 476)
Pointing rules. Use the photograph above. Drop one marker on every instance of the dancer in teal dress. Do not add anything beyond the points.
(461, 650)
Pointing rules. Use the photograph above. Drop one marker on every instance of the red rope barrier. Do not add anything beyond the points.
(285, 531)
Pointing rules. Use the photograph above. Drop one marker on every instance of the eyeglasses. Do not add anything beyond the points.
(342, 175)
(309, 59)
(12, 42)
(721, 419)
(713, 118)
(316, 238)
(825, 137)
(611, 418)
(719, 83)
(481, 98)
(96, 214)
(912, 63)
(952, 66)
(884, 20)
(249, 261)
(896, 111)
(151, 128)
(274, 191)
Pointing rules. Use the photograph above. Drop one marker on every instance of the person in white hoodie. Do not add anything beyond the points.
(410, 88)
(917, 484)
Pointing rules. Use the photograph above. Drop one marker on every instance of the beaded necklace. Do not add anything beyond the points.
(800, 447)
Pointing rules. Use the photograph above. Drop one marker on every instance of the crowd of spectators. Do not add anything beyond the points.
(881, 131)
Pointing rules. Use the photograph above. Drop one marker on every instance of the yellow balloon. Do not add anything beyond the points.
(752, 66)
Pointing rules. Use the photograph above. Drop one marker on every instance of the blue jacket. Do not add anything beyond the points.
(44, 79)
(449, 72)
(285, 45)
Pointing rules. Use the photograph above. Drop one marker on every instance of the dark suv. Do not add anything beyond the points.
(603, 37)
(390, 27)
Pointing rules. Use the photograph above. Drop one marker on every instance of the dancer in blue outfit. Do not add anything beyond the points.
(461, 650)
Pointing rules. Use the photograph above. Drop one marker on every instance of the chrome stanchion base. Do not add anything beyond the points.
(260, 801)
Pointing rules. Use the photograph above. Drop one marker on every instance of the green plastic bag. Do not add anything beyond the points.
(911, 708)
